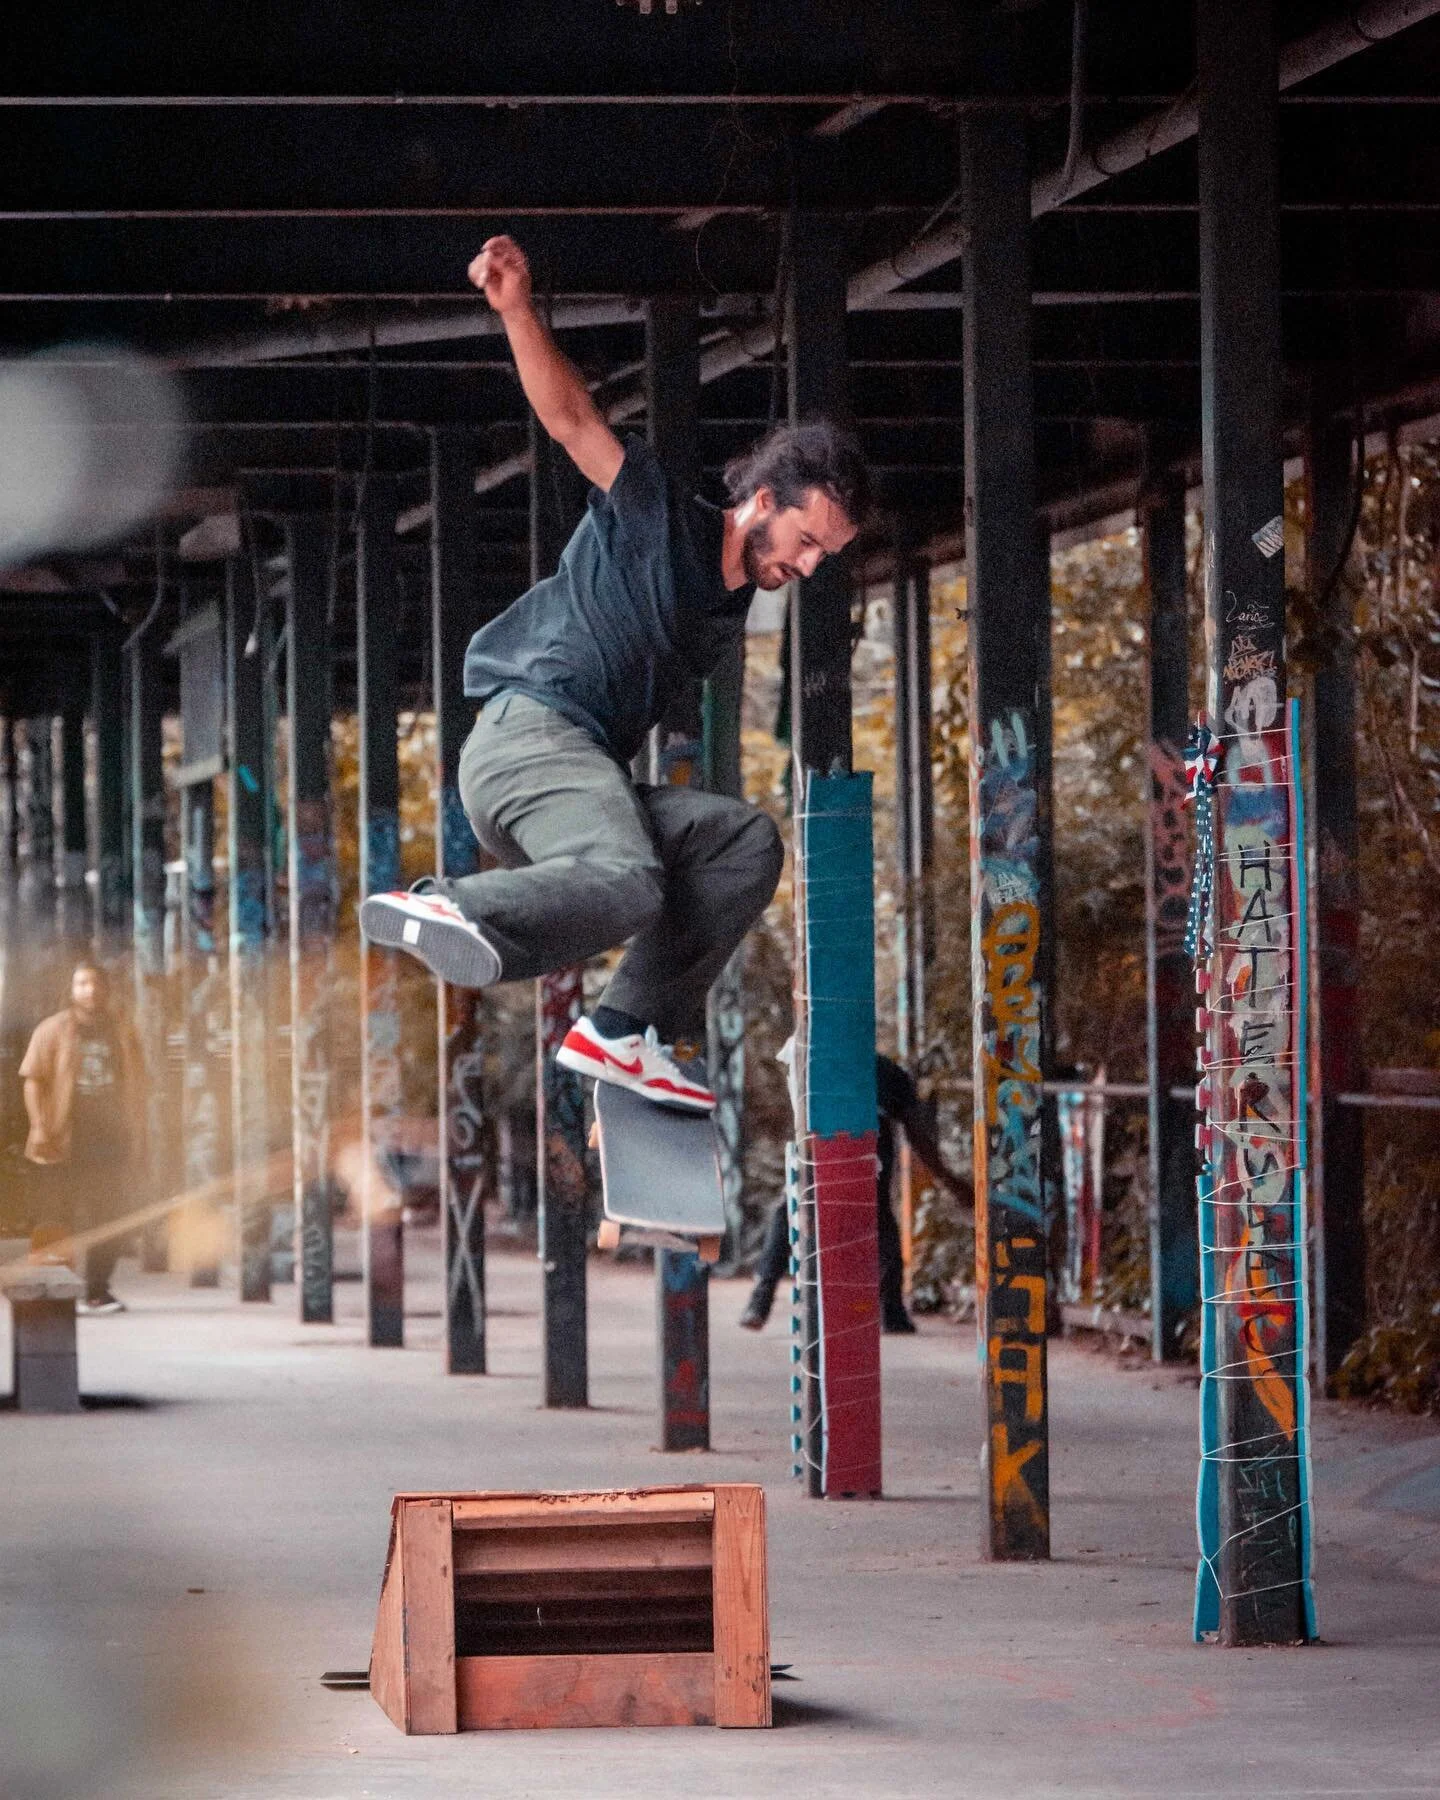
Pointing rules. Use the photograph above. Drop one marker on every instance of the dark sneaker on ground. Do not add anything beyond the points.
(757, 1308)
(105, 1303)
(898, 1324)
(641, 1063)
(433, 928)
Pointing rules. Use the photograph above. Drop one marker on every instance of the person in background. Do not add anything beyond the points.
(84, 1096)
(898, 1104)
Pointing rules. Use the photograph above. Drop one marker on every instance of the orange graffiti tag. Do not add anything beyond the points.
(1008, 1482)
(1259, 1306)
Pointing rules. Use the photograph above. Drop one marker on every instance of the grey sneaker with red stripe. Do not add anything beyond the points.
(433, 928)
(634, 1061)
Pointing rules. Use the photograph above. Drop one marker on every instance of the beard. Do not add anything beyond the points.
(754, 549)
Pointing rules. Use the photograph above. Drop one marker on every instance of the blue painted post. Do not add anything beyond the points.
(835, 948)
(381, 1092)
(835, 1048)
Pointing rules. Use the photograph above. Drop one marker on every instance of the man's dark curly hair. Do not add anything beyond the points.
(792, 458)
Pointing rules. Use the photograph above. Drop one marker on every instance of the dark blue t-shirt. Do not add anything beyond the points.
(637, 607)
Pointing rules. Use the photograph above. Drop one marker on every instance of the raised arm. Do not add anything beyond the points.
(552, 383)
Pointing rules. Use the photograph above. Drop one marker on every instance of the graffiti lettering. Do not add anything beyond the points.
(1009, 1189)
(1169, 847)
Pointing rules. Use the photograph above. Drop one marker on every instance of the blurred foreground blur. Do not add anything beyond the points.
(90, 447)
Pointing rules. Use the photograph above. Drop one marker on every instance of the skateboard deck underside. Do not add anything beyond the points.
(660, 1169)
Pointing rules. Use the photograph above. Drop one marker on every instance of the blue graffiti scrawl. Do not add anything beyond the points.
(1010, 1273)
(1008, 1024)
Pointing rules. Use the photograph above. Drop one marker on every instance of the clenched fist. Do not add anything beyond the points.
(502, 274)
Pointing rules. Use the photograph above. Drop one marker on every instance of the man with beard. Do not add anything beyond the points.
(651, 592)
(84, 1082)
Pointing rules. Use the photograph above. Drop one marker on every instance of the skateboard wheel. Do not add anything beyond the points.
(708, 1249)
(608, 1236)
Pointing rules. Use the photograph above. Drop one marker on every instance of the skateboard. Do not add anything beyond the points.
(660, 1172)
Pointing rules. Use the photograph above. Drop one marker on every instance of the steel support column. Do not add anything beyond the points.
(250, 925)
(839, 1383)
(1170, 987)
(557, 495)
(914, 838)
(201, 1121)
(1337, 1142)
(725, 1024)
(381, 1092)
(40, 803)
(75, 840)
(682, 1281)
(107, 694)
(147, 874)
(1009, 593)
(819, 387)
(312, 909)
(914, 801)
(12, 796)
(1253, 1273)
(454, 574)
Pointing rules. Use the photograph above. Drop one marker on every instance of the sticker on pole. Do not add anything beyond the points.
(1270, 539)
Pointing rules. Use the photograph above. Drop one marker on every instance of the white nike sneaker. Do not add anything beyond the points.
(641, 1063)
(433, 928)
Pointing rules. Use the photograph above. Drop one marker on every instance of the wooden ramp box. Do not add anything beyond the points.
(515, 1611)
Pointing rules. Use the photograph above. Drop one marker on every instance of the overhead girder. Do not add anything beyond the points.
(548, 47)
(1074, 255)
(575, 159)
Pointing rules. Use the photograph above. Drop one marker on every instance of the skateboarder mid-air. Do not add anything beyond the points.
(651, 592)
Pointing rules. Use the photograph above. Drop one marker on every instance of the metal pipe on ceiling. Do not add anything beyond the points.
(1357, 29)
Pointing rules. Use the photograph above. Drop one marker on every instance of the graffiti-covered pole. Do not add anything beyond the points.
(381, 1090)
(454, 614)
(682, 1281)
(1009, 600)
(75, 838)
(1170, 985)
(107, 706)
(557, 499)
(839, 1441)
(312, 908)
(1252, 1265)
(249, 752)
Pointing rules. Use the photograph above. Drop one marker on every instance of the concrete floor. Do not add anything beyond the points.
(183, 1560)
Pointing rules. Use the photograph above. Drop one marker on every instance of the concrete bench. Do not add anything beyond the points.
(42, 1300)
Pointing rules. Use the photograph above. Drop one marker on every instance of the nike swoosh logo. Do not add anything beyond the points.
(584, 1047)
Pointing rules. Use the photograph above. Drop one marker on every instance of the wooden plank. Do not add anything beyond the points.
(428, 1616)
(642, 1585)
(520, 1511)
(549, 1495)
(742, 1613)
(665, 1546)
(387, 1651)
(542, 1692)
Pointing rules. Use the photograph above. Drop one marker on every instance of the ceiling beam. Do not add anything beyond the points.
(1298, 61)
